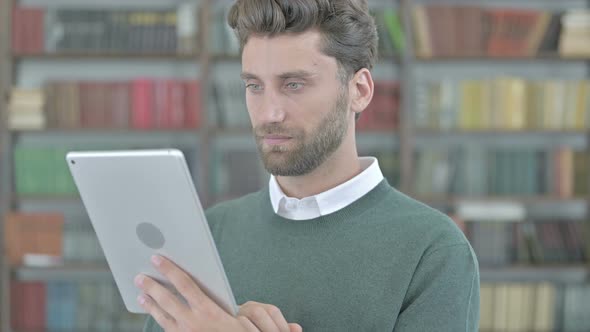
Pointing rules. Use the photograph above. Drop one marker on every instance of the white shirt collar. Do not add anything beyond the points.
(328, 201)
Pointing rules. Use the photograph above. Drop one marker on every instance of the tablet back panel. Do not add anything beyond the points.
(143, 203)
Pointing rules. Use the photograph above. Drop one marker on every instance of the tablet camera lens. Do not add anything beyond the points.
(73, 162)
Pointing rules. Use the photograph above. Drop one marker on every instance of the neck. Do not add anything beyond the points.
(340, 167)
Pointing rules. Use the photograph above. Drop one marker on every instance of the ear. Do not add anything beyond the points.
(361, 88)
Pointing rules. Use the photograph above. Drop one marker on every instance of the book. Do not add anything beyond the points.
(515, 32)
(382, 113)
(394, 28)
(27, 30)
(28, 304)
(575, 34)
(503, 103)
(545, 313)
(32, 233)
(63, 30)
(519, 306)
(26, 109)
(453, 30)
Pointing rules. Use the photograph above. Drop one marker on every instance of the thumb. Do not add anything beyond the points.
(295, 327)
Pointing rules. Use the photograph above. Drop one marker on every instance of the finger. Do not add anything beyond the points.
(163, 319)
(277, 316)
(295, 327)
(258, 315)
(275, 313)
(247, 324)
(183, 283)
(162, 297)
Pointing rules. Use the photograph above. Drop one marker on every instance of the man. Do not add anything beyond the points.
(329, 245)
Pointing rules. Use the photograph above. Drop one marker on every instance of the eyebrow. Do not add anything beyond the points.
(286, 75)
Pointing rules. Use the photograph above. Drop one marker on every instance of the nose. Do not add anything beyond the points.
(271, 108)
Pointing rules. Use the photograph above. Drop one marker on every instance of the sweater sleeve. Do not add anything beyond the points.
(443, 294)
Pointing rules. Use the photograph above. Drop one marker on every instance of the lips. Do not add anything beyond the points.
(275, 139)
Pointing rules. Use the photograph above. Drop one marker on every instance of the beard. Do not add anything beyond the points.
(305, 151)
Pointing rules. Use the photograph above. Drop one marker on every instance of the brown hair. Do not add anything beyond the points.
(348, 30)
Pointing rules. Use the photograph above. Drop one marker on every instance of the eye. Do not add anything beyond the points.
(294, 85)
(253, 87)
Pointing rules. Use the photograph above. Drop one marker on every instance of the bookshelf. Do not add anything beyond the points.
(79, 272)
(508, 284)
(105, 56)
(5, 82)
(28, 70)
(407, 140)
(507, 59)
(220, 136)
(559, 275)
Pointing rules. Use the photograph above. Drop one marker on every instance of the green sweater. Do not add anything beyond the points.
(384, 263)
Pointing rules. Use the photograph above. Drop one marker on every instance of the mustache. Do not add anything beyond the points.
(275, 129)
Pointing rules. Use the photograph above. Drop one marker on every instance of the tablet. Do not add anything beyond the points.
(142, 203)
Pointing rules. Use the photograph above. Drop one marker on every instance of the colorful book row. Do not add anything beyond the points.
(138, 104)
(42, 170)
(552, 243)
(477, 171)
(507, 103)
(230, 111)
(471, 30)
(39, 31)
(70, 306)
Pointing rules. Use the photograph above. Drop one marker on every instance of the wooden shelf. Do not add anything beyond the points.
(248, 131)
(70, 272)
(483, 57)
(107, 137)
(107, 56)
(236, 57)
(554, 274)
(82, 131)
(557, 274)
(434, 132)
(389, 58)
(226, 57)
(449, 199)
(425, 134)
(538, 208)
(231, 131)
(503, 138)
(75, 330)
(242, 138)
(47, 198)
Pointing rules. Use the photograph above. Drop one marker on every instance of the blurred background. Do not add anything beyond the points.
(481, 110)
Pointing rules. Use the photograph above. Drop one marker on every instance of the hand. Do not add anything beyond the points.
(200, 313)
(267, 317)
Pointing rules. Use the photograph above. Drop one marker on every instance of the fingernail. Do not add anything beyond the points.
(157, 260)
(141, 299)
(139, 280)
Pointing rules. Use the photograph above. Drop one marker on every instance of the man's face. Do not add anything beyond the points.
(296, 101)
